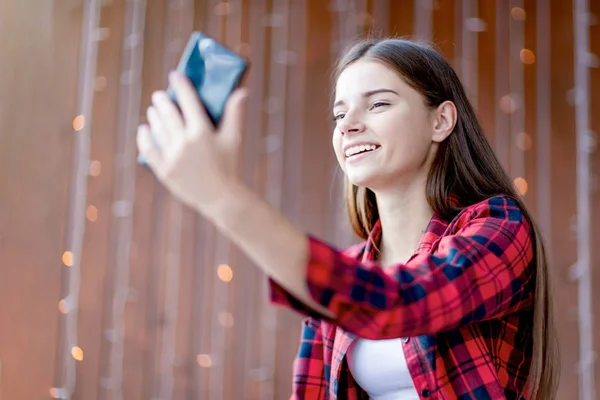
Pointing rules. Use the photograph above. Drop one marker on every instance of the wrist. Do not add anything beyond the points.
(232, 202)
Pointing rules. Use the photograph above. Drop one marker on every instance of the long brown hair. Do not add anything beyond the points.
(465, 171)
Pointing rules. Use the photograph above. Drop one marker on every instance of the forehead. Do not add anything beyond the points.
(364, 75)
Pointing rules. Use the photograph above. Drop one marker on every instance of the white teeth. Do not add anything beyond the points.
(359, 149)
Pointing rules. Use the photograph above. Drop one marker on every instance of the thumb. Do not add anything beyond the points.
(234, 118)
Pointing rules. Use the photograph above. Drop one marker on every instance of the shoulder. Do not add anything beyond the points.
(498, 224)
(497, 209)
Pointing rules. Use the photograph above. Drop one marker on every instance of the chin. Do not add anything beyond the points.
(374, 182)
(362, 180)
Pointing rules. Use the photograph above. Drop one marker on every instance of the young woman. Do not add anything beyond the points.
(448, 297)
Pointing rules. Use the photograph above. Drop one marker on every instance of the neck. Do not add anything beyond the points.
(404, 214)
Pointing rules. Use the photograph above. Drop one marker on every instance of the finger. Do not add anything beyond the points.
(168, 113)
(194, 114)
(234, 118)
(148, 154)
(157, 130)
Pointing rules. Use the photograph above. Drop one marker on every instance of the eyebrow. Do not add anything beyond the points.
(368, 94)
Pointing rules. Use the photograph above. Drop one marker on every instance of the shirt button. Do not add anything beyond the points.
(405, 340)
(425, 393)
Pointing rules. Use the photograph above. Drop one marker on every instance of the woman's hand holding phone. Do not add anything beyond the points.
(196, 161)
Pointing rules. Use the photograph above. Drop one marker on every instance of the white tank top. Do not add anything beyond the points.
(380, 368)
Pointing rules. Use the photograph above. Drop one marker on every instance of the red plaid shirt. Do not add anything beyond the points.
(463, 303)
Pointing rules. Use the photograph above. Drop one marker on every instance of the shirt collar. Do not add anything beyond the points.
(435, 228)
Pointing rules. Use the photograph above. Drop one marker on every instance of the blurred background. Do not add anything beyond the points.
(109, 289)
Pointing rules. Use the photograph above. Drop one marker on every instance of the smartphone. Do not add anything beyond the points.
(214, 70)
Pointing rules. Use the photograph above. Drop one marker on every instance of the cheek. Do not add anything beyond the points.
(336, 141)
(412, 150)
(407, 146)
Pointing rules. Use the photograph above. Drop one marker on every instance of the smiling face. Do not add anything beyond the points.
(385, 134)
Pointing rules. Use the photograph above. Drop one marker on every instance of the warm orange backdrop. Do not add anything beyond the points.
(154, 318)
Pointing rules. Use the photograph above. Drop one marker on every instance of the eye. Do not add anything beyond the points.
(338, 116)
(379, 104)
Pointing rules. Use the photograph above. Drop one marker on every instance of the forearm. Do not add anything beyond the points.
(268, 238)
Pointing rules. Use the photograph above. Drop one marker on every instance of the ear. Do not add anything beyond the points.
(444, 121)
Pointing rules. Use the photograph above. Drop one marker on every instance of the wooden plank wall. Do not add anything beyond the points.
(154, 301)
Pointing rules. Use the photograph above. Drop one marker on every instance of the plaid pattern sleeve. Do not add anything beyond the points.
(310, 380)
(279, 295)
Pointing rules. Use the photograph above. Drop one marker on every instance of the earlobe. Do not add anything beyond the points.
(445, 121)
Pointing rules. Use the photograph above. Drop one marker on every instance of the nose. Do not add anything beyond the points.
(350, 125)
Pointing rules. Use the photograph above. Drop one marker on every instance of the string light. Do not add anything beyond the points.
(225, 273)
(518, 13)
(179, 19)
(77, 353)
(543, 123)
(69, 353)
(518, 56)
(527, 56)
(277, 88)
(92, 213)
(583, 62)
(79, 123)
(204, 360)
(124, 190)
(95, 168)
(508, 104)
(100, 83)
(64, 306)
(229, 30)
(521, 185)
(67, 258)
(523, 141)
